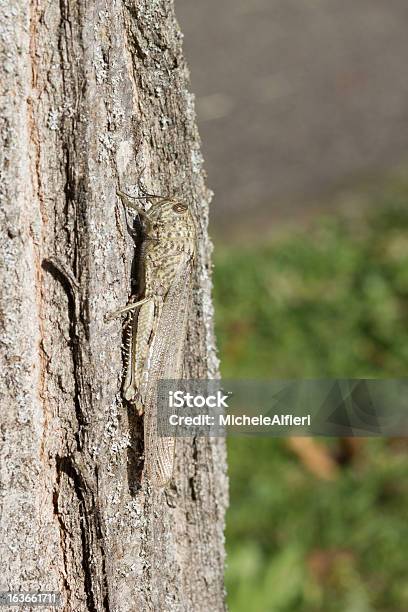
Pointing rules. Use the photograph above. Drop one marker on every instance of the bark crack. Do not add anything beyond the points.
(62, 532)
(70, 285)
(89, 521)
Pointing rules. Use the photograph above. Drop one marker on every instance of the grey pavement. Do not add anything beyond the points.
(295, 97)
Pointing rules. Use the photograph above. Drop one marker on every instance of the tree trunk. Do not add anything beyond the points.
(94, 95)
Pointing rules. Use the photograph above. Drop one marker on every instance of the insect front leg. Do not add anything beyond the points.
(132, 202)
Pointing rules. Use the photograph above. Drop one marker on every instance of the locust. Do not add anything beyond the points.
(159, 321)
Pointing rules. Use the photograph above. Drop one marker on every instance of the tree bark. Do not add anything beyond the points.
(93, 93)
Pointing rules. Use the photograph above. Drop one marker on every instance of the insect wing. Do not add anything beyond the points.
(166, 364)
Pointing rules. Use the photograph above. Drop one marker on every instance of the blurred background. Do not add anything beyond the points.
(302, 108)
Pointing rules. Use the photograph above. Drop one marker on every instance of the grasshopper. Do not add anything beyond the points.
(158, 329)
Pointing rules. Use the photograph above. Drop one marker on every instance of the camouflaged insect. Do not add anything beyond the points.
(158, 330)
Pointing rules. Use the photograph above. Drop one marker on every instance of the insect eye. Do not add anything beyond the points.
(179, 207)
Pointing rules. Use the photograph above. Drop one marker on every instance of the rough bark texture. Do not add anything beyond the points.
(93, 92)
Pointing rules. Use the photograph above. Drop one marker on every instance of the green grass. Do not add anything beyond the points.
(327, 302)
